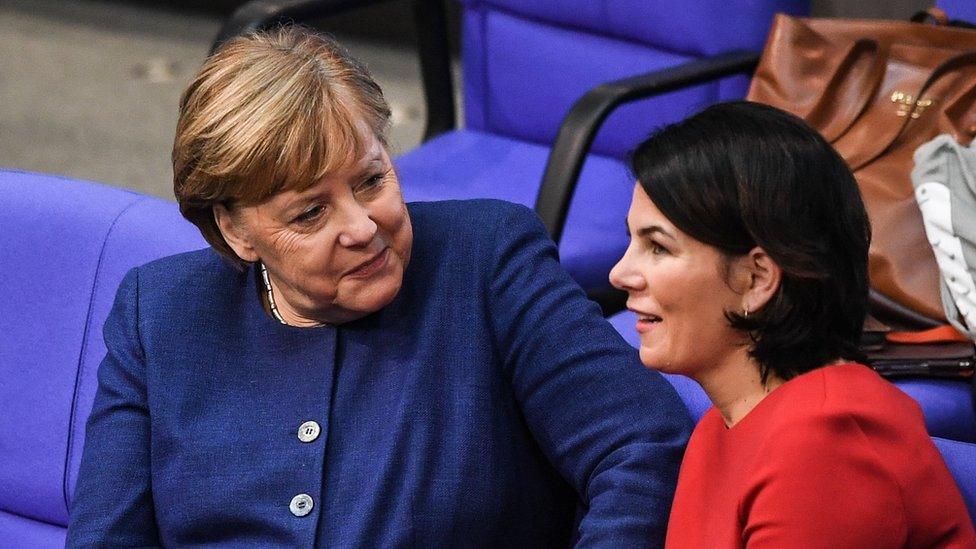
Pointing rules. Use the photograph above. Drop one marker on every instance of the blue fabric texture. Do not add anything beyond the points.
(487, 405)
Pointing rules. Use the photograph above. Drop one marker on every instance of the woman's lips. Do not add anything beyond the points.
(643, 325)
(646, 322)
(370, 267)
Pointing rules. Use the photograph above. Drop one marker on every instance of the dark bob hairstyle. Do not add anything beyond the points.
(739, 175)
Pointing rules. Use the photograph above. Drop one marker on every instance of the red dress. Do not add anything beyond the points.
(834, 458)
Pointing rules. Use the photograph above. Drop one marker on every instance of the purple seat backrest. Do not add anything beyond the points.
(959, 9)
(527, 61)
(960, 457)
(66, 245)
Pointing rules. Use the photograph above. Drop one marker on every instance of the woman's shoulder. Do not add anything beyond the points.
(477, 217)
(848, 390)
(469, 209)
(460, 234)
(187, 271)
(205, 259)
(857, 392)
(852, 436)
(186, 280)
(846, 412)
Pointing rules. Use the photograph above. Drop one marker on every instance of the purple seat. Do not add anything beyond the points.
(960, 457)
(947, 404)
(480, 160)
(525, 63)
(964, 10)
(66, 245)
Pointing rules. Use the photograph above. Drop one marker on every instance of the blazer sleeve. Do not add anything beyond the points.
(614, 430)
(113, 504)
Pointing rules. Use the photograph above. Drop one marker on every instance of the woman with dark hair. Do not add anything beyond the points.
(747, 268)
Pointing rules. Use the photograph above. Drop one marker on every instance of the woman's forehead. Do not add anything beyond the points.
(372, 157)
(643, 210)
(362, 148)
(370, 152)
(358, 151)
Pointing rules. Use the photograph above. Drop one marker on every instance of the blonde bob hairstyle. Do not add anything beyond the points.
(269, 112)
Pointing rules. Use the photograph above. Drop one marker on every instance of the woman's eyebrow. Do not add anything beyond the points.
(370, 165)
(303, 199)
(651, 230)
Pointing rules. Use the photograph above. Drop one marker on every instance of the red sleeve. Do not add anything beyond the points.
(821, 483)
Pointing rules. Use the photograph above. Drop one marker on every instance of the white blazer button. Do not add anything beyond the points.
(309, 431)
(301, 505)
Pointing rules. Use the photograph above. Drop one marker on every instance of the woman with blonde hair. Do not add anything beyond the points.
(343, 369)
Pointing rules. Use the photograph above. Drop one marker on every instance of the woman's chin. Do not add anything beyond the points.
(373, 296)
(381, 297)
(653, 359)
(649, 358)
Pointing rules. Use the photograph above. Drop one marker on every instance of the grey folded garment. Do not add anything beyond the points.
(945, 188)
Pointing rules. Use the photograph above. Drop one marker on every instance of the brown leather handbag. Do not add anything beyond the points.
(877, 90)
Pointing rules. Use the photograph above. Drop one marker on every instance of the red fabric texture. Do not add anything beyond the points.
(834, 458)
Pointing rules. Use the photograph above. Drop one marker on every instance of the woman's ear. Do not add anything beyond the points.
(763, 279)
(234, 233)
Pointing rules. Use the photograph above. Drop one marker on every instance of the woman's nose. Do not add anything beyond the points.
(359, 229)
(624, 277)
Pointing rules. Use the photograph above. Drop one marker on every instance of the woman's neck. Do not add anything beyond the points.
(736, 387)
(279, 308)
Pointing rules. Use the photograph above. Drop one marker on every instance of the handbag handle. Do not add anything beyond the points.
(857, 162)
(938, 16)
(959, 115)
(852, 99)
(834, 82)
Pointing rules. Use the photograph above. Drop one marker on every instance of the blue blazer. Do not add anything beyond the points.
(488, 405)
